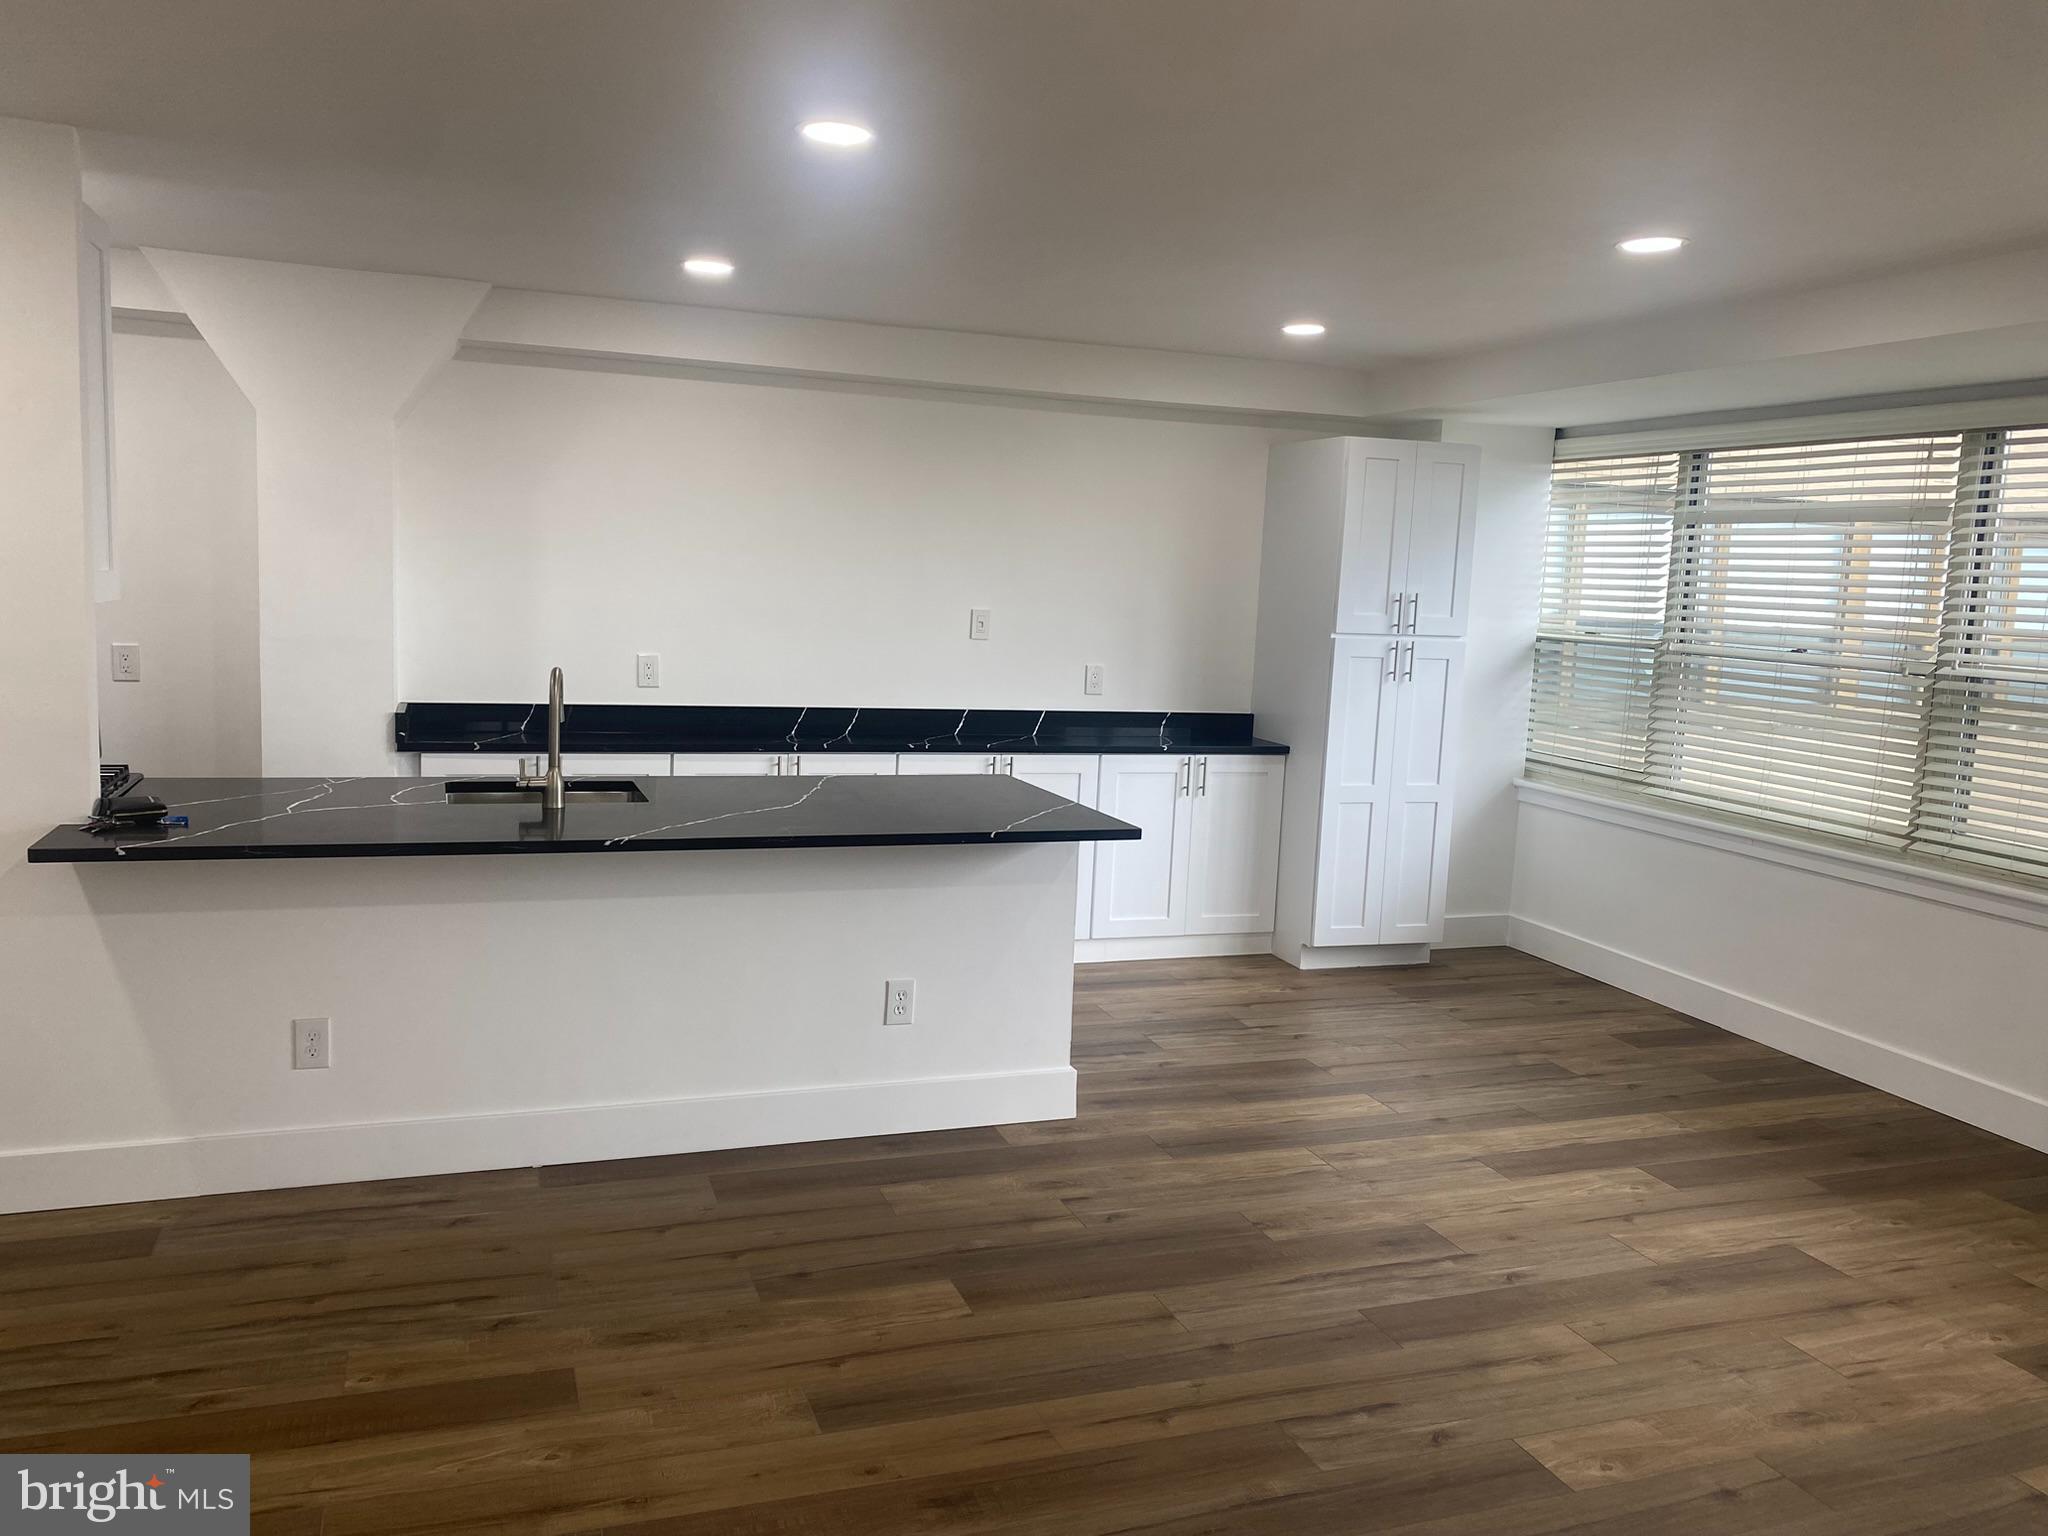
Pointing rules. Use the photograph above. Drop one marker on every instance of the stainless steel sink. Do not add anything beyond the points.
(574, 792)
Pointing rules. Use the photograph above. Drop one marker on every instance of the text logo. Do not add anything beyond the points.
(199, 1495)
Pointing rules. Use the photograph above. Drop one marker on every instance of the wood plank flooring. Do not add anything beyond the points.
(1482, 1247)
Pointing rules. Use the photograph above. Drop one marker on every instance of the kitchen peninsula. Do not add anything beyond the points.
(756, 961)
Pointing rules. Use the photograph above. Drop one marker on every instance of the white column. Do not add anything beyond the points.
(47, 744)
(330, 360)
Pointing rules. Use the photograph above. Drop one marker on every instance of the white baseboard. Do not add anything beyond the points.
(1474, 930)
(1977, 1101)
(56, 1177)
(1352, 957)
(1179, 947)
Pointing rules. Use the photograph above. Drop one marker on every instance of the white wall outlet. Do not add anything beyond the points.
(312, 1047)
(900, 1006)
(124, 661)
(1091, 677)
(977, 623)
(647, 669)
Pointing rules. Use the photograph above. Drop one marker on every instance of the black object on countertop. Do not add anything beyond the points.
(820, 728)
(370, 818)
(120, 802)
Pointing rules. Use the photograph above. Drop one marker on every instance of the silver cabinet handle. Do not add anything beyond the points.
(1390, 664)
(1010, 764)
(775, 763)
(1409, 675)
(1414, 611)
(1183, 777)
(1202, 784)
(988, 765)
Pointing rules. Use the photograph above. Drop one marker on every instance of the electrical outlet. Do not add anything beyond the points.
(311, 1046)
(977, 623)
(647, 669)
(1091, 678)
(901, 1004)
(124, 661)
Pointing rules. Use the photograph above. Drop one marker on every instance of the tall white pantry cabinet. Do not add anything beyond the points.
(1365, 591)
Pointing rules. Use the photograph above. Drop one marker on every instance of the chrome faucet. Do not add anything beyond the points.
(551, 782)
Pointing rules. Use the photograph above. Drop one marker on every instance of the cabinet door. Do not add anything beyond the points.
(839, 764)
(1379, 484)
(1141, 887)
(1442, 522)
(469, 765)
(499, 765)
(1076, 776)
(756, 764)
(946, 762)
(616, 765)
(1418, 856)
(1234, 844)
(1357, 766)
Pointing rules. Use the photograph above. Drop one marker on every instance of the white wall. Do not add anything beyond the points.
(780, 544)
(185, 482)
(1507, 577)
(1938, 1003)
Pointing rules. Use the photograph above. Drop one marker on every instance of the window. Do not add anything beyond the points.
(1848, 637)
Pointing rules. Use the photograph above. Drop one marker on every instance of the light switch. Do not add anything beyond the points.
(125, 661)
(977, 623)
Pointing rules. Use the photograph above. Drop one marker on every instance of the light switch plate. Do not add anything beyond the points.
(1091, 678)
(647, 669)
(977, 623)
(124, 661)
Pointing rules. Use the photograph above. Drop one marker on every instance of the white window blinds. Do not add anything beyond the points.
(1604, 569)
(1805, 605)
(1848, 636)
(1986, 784)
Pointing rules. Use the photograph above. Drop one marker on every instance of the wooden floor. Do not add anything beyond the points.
(1482, 1247)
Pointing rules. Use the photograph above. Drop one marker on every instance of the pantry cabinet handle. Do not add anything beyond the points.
(1414, 612)
(1185, 774)
(1202, 785)
(1409, 675)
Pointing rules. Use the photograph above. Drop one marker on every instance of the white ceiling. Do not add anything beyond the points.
(1427, 176)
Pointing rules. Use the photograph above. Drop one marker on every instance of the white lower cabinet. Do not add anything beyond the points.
(839, 764)
(823, 764)
(691, 763)
(609, 765)
(1209, 855)
(946, 762)
(1141, 888)
(1384, 847)
(1233, 843)
(1076, 777)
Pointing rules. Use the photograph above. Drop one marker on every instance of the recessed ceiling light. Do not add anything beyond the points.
(838, 135)
(1650, 245)
(1302, 328)
(708, 266)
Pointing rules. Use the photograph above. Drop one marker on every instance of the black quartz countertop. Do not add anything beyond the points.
(819, 728)
(376, 817)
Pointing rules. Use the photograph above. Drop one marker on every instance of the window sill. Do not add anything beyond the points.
(2014, 903)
